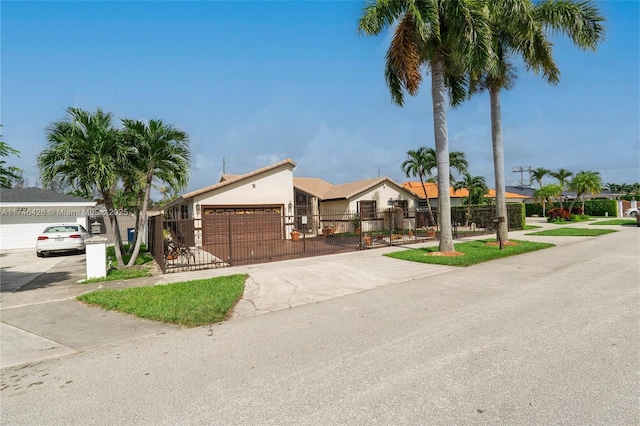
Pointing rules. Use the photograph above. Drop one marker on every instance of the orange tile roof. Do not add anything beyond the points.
(432, 191)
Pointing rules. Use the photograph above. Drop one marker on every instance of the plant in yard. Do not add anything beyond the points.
(447, 38)
(518, 29)
(8, 174)
(547, 194)
(86, 153)
(190, 303)
(562, 175)
(161, 153)
(585, 182)
(559, 214)
(355, 222)
(477, 189)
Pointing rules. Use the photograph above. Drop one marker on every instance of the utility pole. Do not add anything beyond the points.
(522, 171)
(224, 166)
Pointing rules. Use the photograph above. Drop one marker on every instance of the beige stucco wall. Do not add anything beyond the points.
(274, 187)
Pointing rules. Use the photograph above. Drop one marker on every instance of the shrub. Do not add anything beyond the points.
(577, 210)
(559, 214)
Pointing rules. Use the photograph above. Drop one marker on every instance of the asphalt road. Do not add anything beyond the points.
(549, 337)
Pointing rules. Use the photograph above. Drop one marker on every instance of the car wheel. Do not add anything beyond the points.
(633, 214)
(39, 254)
(83, 251)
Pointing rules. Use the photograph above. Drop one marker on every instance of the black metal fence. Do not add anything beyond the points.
(235, 239)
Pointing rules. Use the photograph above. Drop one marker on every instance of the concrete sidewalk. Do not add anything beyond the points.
(47, 321)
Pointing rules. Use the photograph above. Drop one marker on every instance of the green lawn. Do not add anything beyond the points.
(473, 252)
(121, 274)
(143, 257)
(189, 303)
(622, 222)
(572, 232)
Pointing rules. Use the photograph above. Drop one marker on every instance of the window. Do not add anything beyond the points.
(367, 210)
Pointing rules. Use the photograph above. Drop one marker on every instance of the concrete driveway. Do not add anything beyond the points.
(22, 267)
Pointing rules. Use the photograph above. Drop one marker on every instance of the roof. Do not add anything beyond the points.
(313, 186)
(229, 179)
(38, 195)
(432, 191)
(327, 191)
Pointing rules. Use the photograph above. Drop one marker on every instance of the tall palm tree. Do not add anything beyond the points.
(457, 160)
(477, 188)
(547, 194)
(585, 182)
(162, 153)
(562, 175)
(518, 28)
(539, 174)
(84, 153)
(417, 165)
(446, 37)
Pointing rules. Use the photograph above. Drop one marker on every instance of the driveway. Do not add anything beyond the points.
(22, 268)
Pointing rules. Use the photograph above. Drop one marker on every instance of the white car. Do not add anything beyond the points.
(631, 212)
(62, 238)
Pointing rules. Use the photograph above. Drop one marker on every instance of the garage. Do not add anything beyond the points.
(25, 212)
(241, 224)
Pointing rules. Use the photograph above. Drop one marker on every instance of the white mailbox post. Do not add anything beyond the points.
(96, 257)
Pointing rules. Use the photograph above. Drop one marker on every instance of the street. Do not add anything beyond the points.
(549, 337)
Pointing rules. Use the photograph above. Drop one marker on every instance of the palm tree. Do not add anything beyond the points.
(8, 174)
(562, 175)
(518, 28)
(477, 188)
(417, 165)
(585, 182)
(547, 194)
(539, 174)
(445, 36)
(457, 160)
(162, 153)
(85, 154)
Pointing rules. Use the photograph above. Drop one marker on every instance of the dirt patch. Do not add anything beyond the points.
(506, 243)
(445, 253)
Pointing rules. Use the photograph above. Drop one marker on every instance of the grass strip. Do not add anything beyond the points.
(572, 232)
(473, 252)
(621, 222)
(121, 274)
(188, 303)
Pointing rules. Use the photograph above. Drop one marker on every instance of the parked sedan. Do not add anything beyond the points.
(62, 238)
(631, 212)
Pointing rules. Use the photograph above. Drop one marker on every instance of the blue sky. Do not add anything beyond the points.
(258, 82)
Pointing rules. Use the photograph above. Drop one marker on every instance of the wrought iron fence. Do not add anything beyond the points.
(221, 239)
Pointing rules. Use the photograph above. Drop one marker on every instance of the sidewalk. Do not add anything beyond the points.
(48, 322)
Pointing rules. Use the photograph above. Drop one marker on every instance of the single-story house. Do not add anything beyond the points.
(26, 212)
(277, 203)
(456, 196)
(365, 198)
(266, 193)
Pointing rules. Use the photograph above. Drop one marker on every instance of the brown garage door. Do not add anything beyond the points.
(243, 224)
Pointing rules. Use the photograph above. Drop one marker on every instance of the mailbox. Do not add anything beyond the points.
(497, 219)
(96, 228)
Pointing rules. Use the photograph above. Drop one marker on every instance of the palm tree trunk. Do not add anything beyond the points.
(498, 163)
(143, 219)
(442, 153)
(138, 202)
(430, 218)
(113, 220)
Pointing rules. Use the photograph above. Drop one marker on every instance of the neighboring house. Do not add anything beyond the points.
(367, 198)
(266, 193)
(26, 212)
(456, 196)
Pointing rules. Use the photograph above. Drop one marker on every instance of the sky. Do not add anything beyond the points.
(255, 82)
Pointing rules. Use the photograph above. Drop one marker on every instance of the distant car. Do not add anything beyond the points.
(631, 212)
(62, 238)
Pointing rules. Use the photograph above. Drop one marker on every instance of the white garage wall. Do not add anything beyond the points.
(19, 230)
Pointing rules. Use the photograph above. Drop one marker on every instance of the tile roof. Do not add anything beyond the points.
(228, 179)
(38, 195)
(432, 191)
(327, 191)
